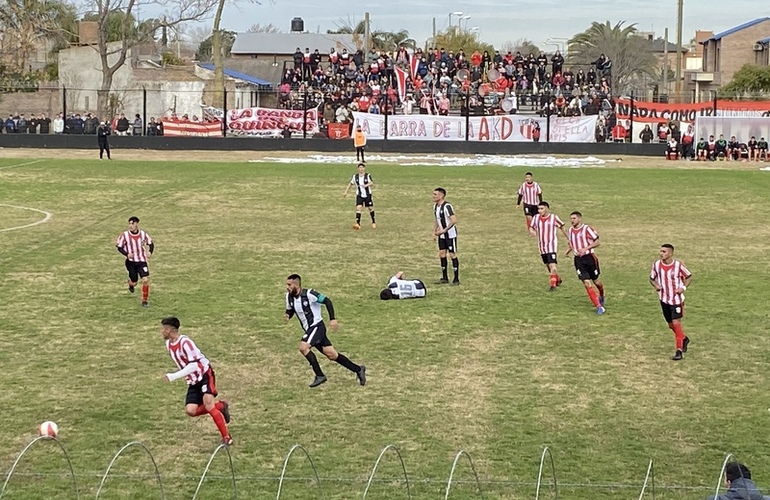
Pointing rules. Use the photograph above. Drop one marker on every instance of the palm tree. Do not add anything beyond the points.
(381, 40)
(630, 54)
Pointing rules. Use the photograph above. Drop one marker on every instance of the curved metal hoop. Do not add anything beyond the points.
(722, 473)
(377, 464)
(286, 463)
(553, 474)
(208, 465)
(650, 477)
(115, 458)
(31, 443)
(452, 471)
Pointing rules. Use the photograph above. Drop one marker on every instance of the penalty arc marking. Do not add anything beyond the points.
(48, 216)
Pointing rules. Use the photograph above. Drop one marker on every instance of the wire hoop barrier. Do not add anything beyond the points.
(208, 466)
(377, 464)
(649, 478)
(452, 471)
(547, 451)
(286, 463)
(115, 458)
(24, 451)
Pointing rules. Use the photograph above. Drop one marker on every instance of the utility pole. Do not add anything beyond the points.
(433, 40)
(367, 35)
(678, 85)
(665, 66)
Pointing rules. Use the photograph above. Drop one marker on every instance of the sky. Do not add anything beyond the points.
(499, 21)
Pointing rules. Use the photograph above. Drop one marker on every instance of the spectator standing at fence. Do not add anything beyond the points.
(670, 279)
(45, 124)
(32, 124)
(138, 125)
(122, 125)
(22, 125)
(58, 124)
(688, 143)
(359, 141)
(10, 125)
(102, 136)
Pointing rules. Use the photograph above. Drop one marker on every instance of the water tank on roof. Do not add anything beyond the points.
(297, 25)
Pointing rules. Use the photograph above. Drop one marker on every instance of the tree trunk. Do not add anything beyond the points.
(216, 54)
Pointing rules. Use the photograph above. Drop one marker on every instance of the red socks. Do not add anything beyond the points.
(554, 280)
(219, 420)
(678, 335)
(592, 295)
(600, 288)
(145, 292)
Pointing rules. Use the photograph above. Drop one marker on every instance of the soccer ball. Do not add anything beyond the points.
(49, 429)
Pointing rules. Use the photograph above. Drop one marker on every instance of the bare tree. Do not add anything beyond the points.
(113, 56)
(268, 28)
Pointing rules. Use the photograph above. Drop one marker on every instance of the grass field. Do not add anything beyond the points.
(497, 367)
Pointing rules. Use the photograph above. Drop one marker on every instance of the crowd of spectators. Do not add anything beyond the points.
(446, 82)
(88, 123)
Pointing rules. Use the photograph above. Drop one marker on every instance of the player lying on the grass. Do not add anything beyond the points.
(582, 241)
(401, 288)
(201, 381)
(305, 303)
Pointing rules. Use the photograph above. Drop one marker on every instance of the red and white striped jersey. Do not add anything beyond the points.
(546, 232)
(529, 193)
(581, 237)
(134, 244)
(183, 352)
(670, 278)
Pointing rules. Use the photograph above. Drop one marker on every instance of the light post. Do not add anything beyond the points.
(458, 14)
(460, 22)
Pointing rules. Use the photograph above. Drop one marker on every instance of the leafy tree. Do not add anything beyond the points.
(630, 54)
(24, 22)
(749, 79)
(205, 54)
(455, 39)
(523, 45)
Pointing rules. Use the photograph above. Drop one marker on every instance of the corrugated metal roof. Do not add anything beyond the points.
(238, 76)
(735, 29)
(287, 43)
(765, 40)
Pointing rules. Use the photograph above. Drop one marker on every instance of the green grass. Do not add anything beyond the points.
(497, 367)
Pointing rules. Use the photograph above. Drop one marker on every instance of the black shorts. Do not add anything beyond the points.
(671, 311)
(137, 270)
(548, 258)
(448, 244)
(316, 336)
(367, 202)
(587, 267)
(207, 385)
(530, 210)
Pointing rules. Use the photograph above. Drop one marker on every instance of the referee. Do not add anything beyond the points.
(305, 303)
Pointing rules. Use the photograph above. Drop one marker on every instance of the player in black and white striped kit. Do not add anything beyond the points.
(305, 303)
(363, 183)
(445, 232)
(401, 288)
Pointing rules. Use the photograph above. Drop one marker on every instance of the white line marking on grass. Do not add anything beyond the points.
(48, 216)
(21, 165)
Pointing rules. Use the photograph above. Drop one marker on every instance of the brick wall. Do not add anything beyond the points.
(736, 49)
(43, 101)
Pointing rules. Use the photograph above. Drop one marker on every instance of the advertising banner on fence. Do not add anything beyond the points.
(655, 112)
(269, 122)
(253, 122)
(503, 128)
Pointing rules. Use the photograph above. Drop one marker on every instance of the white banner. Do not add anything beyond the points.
(503, 128)
(742, 128)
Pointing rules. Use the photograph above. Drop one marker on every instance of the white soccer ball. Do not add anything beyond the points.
(48, 428)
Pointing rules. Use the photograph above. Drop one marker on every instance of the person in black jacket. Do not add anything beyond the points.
(45, 124)
(102, 133)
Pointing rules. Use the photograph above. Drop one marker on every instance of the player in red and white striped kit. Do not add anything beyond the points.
(582, 241)
(544, 226)
(137, 246)
(531, 194)
(201, 382)
(670, 278)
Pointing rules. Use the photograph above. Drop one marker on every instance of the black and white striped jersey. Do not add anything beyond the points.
(406, 289)
(443, 212)
(307, 307)
(359, 181)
